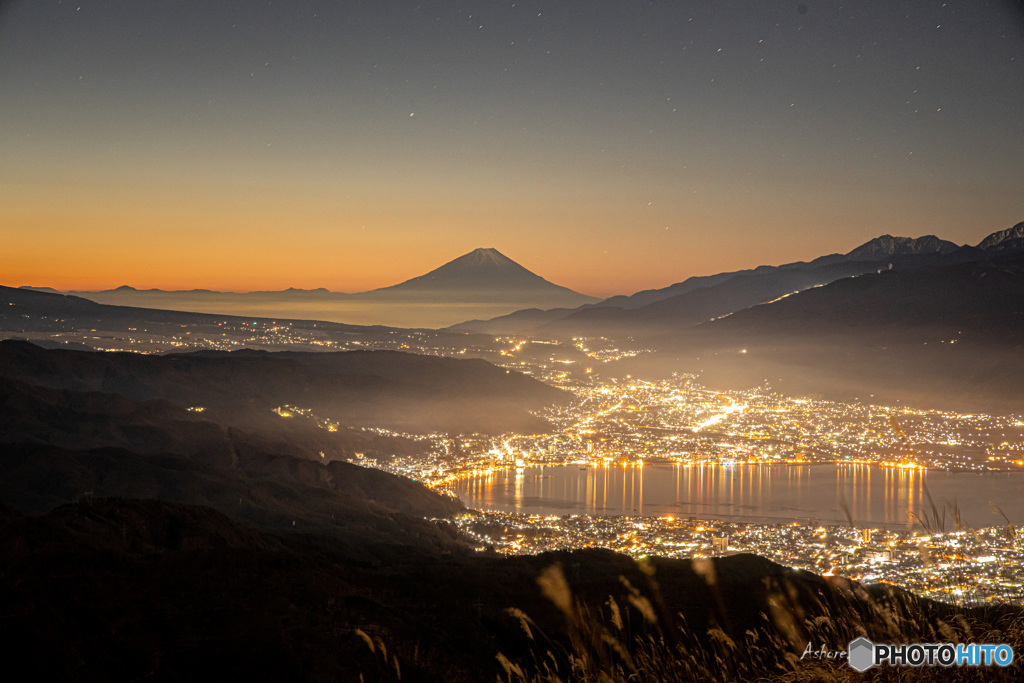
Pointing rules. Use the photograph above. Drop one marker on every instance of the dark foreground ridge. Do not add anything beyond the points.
(114, 589)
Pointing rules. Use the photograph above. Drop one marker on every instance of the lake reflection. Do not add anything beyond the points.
(835, 494)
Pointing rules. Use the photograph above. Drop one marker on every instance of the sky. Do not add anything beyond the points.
(607, 146)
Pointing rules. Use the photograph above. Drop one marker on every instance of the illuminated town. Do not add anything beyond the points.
(627, 423)
(956, 566)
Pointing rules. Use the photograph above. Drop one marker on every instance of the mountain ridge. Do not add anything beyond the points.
(482, 283)
(938, 337)
(1003, 236)
(389, 389)
(483, 266)
(701, 298)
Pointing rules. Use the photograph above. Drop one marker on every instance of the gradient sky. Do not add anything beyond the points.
(607, 146)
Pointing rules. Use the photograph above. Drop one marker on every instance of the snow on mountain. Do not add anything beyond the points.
(887, 245)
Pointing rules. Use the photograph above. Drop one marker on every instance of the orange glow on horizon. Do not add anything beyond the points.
(236, 239)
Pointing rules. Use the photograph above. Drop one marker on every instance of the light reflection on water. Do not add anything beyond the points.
(837, 494)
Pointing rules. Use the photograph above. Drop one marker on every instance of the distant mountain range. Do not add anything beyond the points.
(916, 320)
(919, 320)
(699, 299)
(482, 281)
(943, 336)
(59, 311)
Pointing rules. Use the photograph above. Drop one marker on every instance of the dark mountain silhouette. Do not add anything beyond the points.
(485, 268)
(983, 299)
(937, 337)
(703, 298)
(824, 268)
(528, 321)
(701, 304)
(270, 492)
(30, 309)
(483, 274)
(363, 388)
(483, 280)
(76, 419)
(59, 443)
(887, 245)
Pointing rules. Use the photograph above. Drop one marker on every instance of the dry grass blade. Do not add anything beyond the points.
(552, 583)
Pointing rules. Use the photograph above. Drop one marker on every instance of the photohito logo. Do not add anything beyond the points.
(863, 654)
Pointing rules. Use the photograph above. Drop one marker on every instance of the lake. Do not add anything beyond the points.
(874, 496)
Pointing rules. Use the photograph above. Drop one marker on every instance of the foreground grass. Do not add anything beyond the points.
(637, 643)
(589, 615)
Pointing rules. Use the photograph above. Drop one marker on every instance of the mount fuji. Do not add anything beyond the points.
(482, 275)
